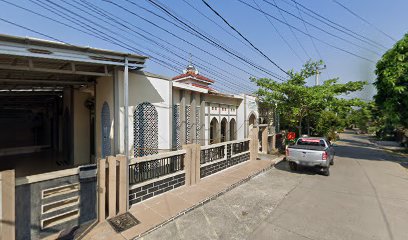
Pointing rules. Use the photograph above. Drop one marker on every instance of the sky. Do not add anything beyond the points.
(141, 27)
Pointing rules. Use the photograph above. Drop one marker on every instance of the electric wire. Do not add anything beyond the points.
(293, 33)
(233, 28)
(280, 35)
(313, 14)
(319, 28)
(318, 39)
(364, 20)
(182, 39)
(200, 33)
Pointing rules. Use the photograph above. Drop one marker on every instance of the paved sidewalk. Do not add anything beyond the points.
(157, 211)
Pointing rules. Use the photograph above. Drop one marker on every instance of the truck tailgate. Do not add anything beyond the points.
(305, 154)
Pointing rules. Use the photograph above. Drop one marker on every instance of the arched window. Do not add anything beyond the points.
(224, 123)
(106, 127)
(233, 129)
(145, 130)
(214, 131)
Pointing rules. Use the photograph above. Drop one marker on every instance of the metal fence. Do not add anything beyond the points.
(212, 153)
(154, 166)
(240, 147)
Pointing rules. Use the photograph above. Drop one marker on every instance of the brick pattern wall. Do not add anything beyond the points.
(153, 189)
(221, 165)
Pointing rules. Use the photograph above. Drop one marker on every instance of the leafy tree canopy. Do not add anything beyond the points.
(297, 101)
(392, 84)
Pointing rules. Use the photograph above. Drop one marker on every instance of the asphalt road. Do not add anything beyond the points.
(365, 197)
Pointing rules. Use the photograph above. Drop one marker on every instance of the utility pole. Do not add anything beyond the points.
(317, 74)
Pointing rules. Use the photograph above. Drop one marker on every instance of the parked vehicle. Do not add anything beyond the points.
(311, 151)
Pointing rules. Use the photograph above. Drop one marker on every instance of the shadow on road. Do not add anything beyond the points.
(284, 166)
(363, 151)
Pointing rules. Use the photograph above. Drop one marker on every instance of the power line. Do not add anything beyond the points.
(307, 30)
(321, 29)
(280, 35)
(114, 18)
(201, 36)
(233, 28)
(364, 20)
(330, 23)
(318, 39)
(293, 33)
(221, 27)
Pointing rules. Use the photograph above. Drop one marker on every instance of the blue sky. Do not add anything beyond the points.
(389, 16)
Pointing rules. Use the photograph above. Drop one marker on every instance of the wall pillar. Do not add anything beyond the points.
(8, 215)
(192, 164)
(122, 184)
(253, 144)
(183, 117)
(102, 189)
(193, 118)
(265, 140)
(202, 120)
(112, 187)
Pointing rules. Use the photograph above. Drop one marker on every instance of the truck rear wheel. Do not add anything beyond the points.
(326, 171)
(293, 166)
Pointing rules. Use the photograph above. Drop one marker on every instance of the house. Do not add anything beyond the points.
(69, 111)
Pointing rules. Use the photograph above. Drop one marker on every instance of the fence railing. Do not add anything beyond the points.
(240, 147)
(212, 153)
(149, 167)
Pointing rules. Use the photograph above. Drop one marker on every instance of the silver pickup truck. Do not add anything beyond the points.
(311, 151)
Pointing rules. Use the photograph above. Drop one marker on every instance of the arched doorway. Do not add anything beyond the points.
(224, 123)
(233, 130)
(105, 121)
(145, 130)
(214, 131)
(251, 121)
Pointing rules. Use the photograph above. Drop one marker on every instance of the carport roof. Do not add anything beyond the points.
(40, 48)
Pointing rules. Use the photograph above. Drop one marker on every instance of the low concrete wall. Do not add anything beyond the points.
(155, 187)
(56, 206)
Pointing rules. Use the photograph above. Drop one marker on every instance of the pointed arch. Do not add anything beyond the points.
(214, 126)
(233, 129)
(146, 134)
(224, 123)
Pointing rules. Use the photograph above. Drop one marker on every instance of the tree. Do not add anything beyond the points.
(392, 83)
(297, 101)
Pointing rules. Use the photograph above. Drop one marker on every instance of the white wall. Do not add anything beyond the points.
(144, 87)
(104, 92)
(81, 129)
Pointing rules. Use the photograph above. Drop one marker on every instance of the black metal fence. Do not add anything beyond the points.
(240, 147)
(212, 154)
(143, 171)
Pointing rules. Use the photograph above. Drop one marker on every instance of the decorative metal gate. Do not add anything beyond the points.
(106, 143)
(145, 130)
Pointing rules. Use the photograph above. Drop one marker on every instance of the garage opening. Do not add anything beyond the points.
(46, 121)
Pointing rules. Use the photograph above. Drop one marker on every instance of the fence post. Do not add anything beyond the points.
(265, 140)
(112, 187)
(253, 145)
(197, 162)
(8, 216)
(102, 189)
(192, 163)
(122, 183)
(187, 164)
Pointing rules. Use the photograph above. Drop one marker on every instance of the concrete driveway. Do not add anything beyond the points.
(366, 197)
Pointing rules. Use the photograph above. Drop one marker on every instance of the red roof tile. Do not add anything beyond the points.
(191, 74)
(202, 86)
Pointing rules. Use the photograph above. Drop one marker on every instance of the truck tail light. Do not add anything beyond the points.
(287, 152)
(324, 156)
